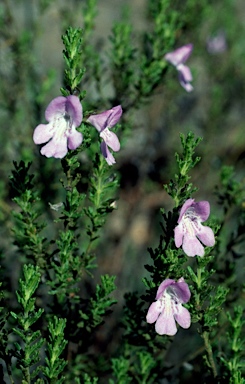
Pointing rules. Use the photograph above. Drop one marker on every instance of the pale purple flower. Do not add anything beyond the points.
(102, 122)
(217, 44)
(190, 228)
(168, 307)
(63, 114)
(178, 58)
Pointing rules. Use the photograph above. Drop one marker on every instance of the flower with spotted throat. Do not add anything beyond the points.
(168, 307)
(190, 229)
(102, 122)
(63, 114)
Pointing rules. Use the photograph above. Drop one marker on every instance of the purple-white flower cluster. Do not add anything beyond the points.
(64, 115)
(191, 235)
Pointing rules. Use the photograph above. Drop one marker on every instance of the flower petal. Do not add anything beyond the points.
(184, 208)
(165, 325)
(111, 139)
(74, 109)
(42, 133)
(56, 107)
(115, 115)
(181, 291)
(185, 77)
(180, 55)
(206, 236)
(192, 246)
(106, 119)
(153, 312)
(107, 154)
(165, 284)
(178, 235)
(57, 149)
(187, 86)
(99, 121)
(65, 105)
(202, 208)
(183, 317)
(185, 73)
(74, 140)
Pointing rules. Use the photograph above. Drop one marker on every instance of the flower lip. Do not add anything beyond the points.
(111, 139)
(185, 77)
(178, 289)
(162, 287)
(107, 154)
(200, 209)
(65, 106)
(179, 292)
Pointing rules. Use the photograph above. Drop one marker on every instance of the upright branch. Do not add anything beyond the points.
(27, 349)
(179, 188)
(103, 186)
(28, 225)
(72, 52)
(55, 347)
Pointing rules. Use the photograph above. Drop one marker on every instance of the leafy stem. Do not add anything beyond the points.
(101, 195)
(179, 188)
(209, 351)
(28, 355)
